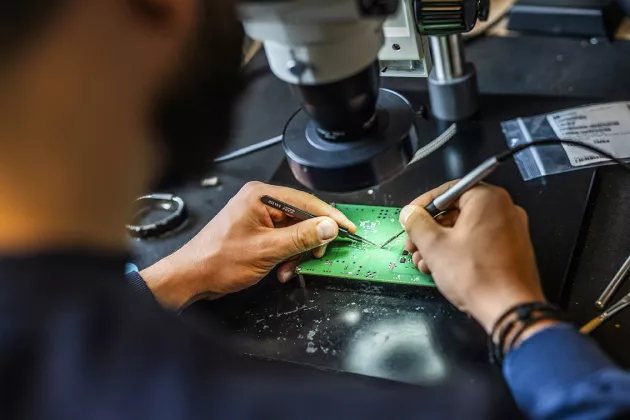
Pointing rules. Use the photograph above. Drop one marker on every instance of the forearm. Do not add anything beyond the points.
(558, 373)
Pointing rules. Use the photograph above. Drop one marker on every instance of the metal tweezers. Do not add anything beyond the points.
(613, 285)
(605, 297)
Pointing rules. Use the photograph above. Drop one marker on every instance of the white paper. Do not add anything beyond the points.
(604, 126)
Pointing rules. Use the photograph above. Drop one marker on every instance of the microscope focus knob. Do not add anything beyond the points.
(446, 17)
(378, 7)
(484, 10)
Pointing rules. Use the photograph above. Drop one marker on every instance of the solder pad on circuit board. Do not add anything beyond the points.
(351, 260)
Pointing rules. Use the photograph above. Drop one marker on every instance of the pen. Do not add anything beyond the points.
(444, 201)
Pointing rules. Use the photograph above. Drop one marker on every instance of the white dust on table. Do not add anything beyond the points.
(282, 314)
(314, 339)
(311, 347)
(298, 309)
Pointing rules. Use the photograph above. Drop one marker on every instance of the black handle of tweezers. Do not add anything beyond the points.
(290, 210)
(287, 209)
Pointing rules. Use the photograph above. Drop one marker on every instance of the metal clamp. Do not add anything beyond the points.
(167, 202)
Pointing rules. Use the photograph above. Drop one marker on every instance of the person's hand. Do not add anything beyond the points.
(479, 254)
(242, 244)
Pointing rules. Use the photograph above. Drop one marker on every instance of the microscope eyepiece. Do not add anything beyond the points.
(344, 110)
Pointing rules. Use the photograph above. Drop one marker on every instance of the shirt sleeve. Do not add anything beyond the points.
(559, 373)
(137, 283)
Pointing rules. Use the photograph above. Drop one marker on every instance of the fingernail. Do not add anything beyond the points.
(287, 275)
(326, 230)
(405, 213)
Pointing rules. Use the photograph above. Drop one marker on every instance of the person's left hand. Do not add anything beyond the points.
(242, 244)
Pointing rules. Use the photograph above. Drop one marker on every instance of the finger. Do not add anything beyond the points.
(306, 202)
(409, 245)
(424, 268)
(284, 222)
(482, 196)
(420, 226)
(479, 189)
(287, 271)
(288, 221)
(522, 214)
(320, 251)
(478, 203)
(278, 218)
(449, 218)
(286, 242)
(416, 258)
(293, 258)
(420, 263)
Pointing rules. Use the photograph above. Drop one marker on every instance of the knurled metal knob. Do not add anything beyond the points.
(446, 17)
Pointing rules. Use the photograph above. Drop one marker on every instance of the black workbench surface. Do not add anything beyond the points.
(295, 324)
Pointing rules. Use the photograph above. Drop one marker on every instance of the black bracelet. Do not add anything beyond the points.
(521, 310)
(497, 350)
(528, 323)
(527, 314)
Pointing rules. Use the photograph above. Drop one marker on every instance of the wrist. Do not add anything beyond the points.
(170, 286)
(490, 309)
(519, 323)
(535, 329)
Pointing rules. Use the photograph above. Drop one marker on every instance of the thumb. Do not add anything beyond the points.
(420, 226)
(302, 237)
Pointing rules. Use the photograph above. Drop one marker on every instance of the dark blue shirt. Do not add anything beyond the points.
(561, 374)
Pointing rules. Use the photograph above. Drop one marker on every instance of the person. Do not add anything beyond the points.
(103, 99)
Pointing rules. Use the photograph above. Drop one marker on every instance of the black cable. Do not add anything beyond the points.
(502, 157)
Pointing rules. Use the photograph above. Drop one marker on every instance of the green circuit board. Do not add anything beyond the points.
(351, 260)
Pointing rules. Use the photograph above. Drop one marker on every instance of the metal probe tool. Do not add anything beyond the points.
(614, 284)
(443, 202)
(606, 315)
(301, 215)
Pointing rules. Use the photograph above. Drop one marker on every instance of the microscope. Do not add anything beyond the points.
(350, 133)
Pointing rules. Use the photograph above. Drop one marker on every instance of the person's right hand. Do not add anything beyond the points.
(480, 255)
